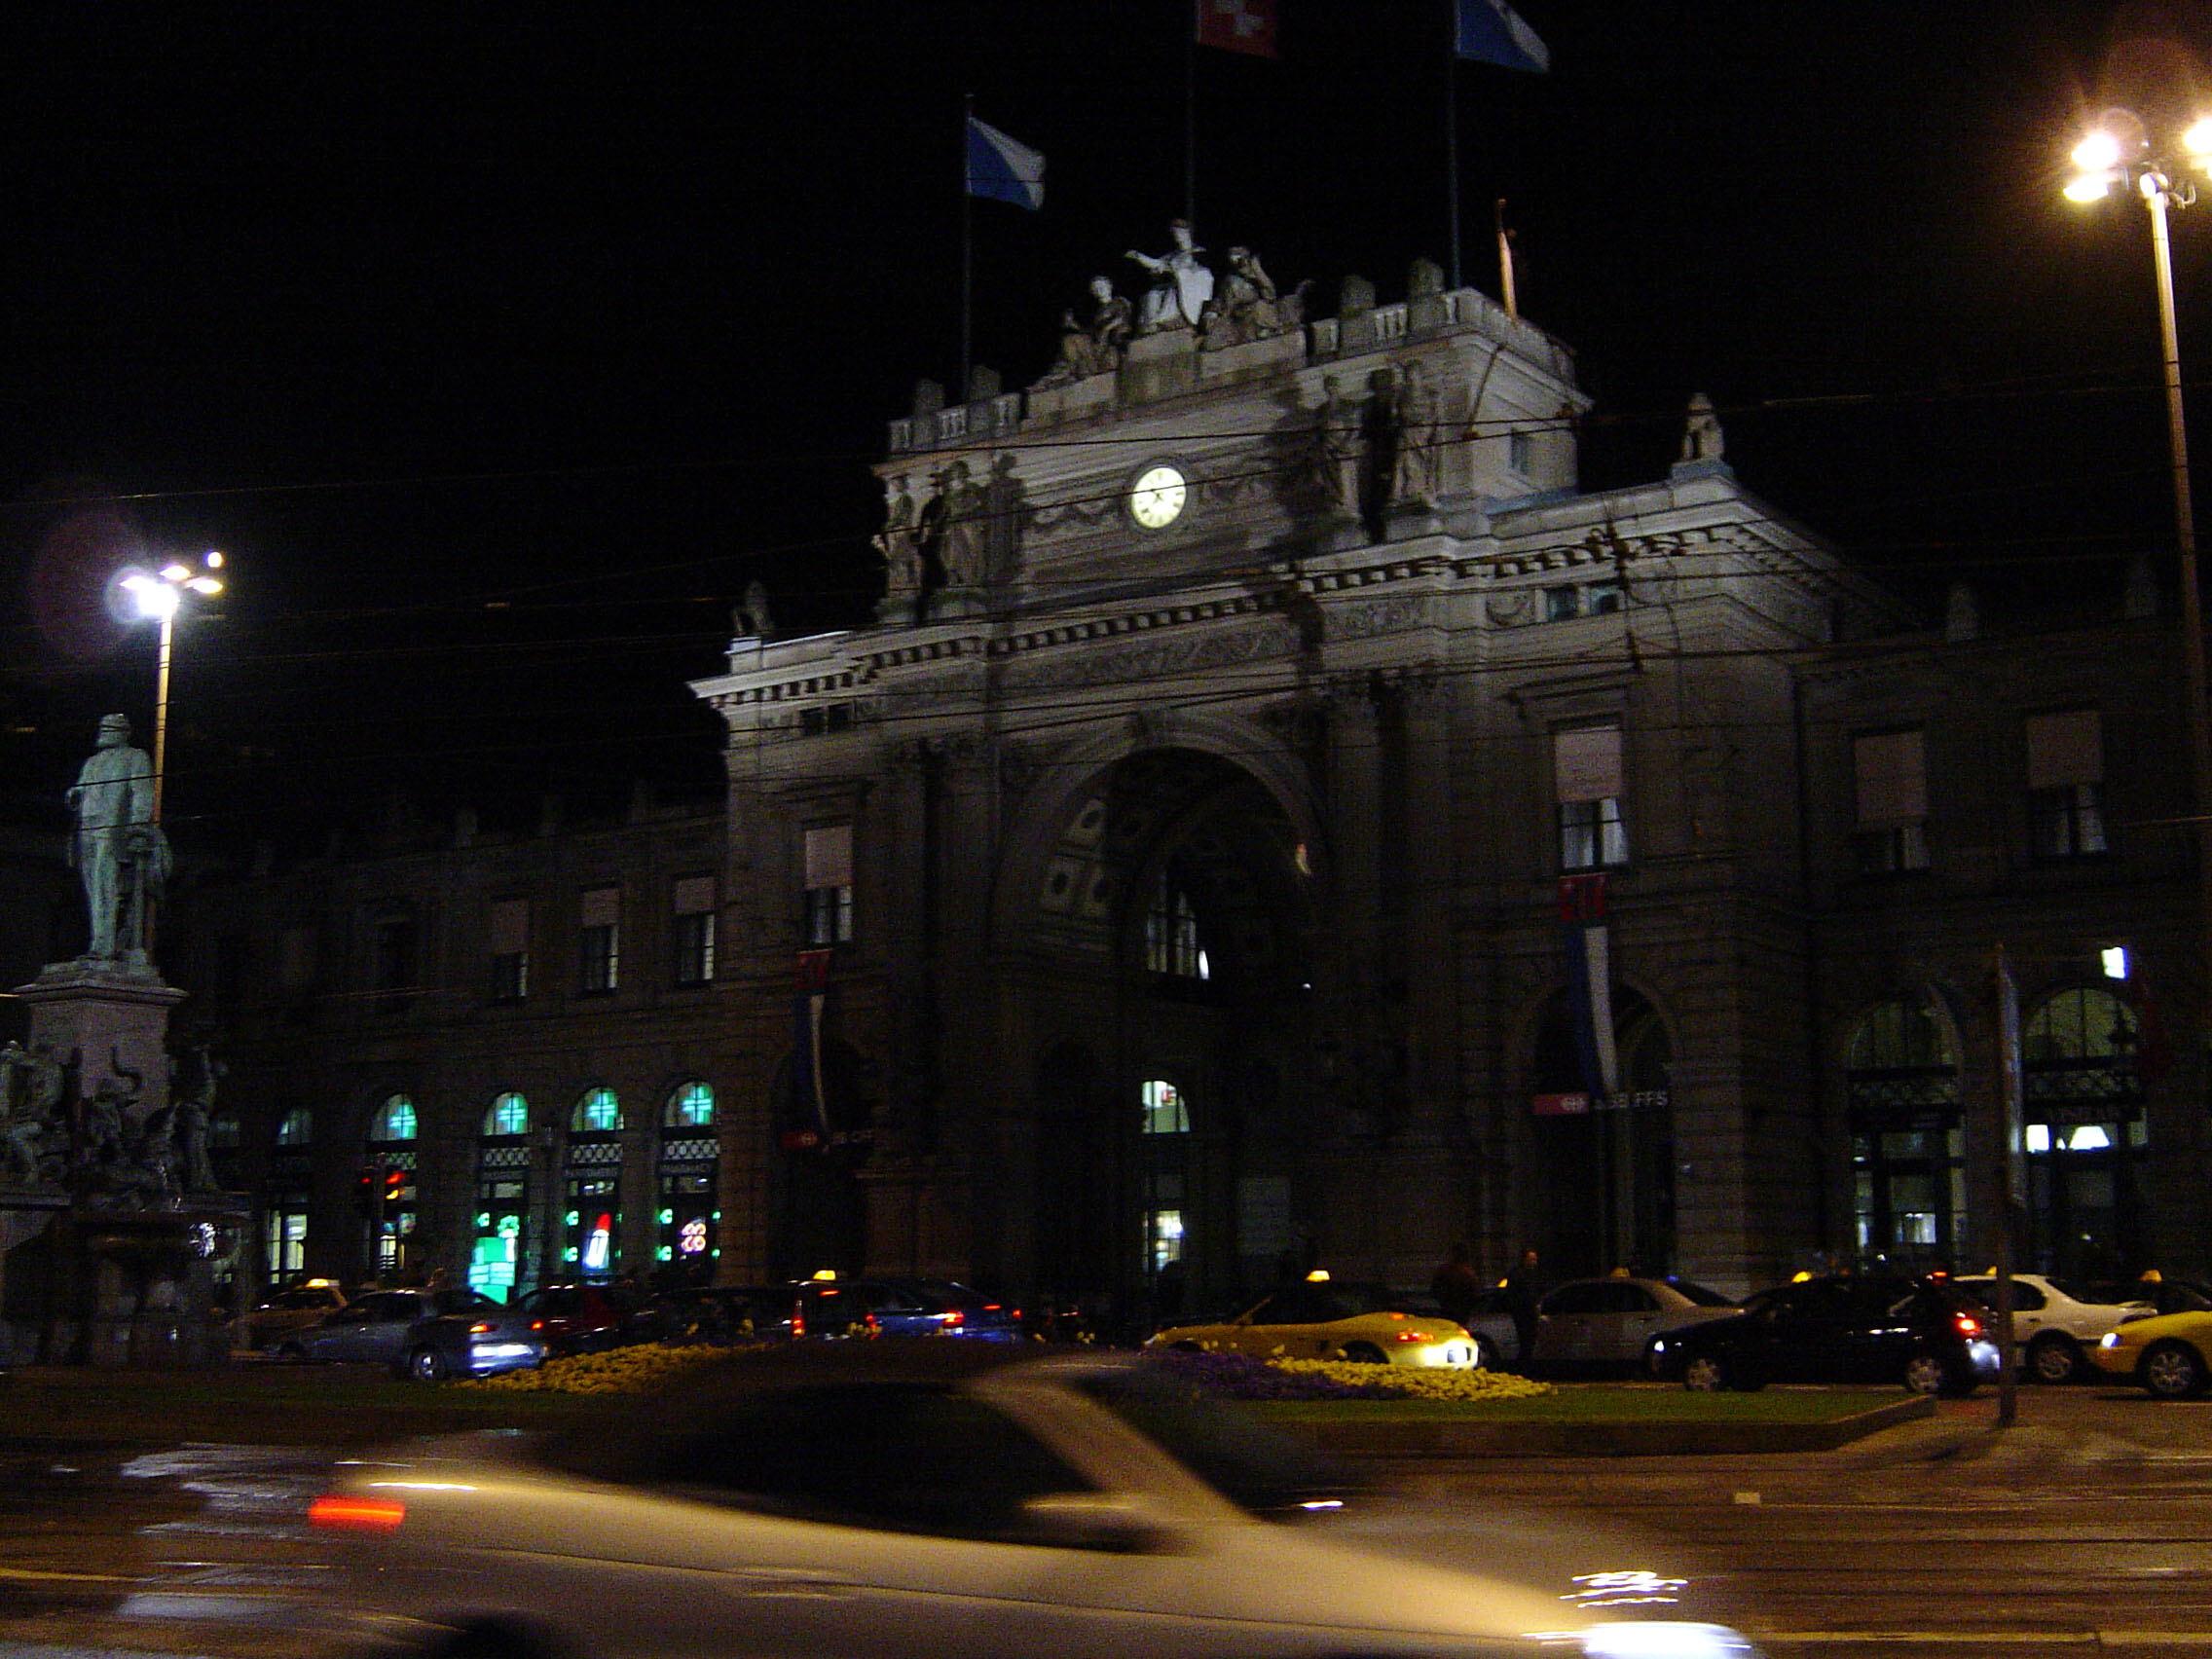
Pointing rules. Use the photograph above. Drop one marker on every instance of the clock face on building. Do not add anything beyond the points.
(1157, 497)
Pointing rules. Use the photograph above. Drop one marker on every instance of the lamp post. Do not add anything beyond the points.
(159, 596)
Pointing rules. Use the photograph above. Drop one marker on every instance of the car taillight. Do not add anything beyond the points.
(798, 1324)
(869, 1325)
(953, 1319)
(356, 1514)
(480, 1329)
(1967, 1324)
(537, 1324)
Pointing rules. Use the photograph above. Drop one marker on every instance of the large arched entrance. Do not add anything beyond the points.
(1170, 938)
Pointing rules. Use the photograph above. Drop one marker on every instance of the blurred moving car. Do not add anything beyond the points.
(1608, 1323)
(2053, 1328)
(374, 1328)
(2168, 1353)
(473, 1341)
(583, 1317)
(829, 1306)
(724, 1314)
(1849, 1328)
(1323, 1318)
(286, 1312)
(915, 1499)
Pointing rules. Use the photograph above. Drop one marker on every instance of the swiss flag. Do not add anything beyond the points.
(1238, 25)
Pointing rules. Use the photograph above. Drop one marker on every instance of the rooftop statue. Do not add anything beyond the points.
(1414, 414)
(749, 617)
(1246, 306)
(1181, 284)
(1094, 348)
(1701, 435)
(119, 849)
(900, 542)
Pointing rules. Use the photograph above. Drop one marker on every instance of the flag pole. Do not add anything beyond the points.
(1452, 137)
(1191, 118)
(966, 245)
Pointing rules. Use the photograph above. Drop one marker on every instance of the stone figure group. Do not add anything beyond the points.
(1246, 306)
(117, 850)
(1096, 347)
(98, 1145)
(1388, 447)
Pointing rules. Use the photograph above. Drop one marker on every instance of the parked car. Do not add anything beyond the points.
(2166, 1353)
(901, 1307)
(374, 1328)
(1323, 1318)
(908, 1499)
(2053, 1328)
(583, 1317)
(2165, 1293)
(286, 1312)
(1608, 1323)
(1926, 1334)
(475, 1342)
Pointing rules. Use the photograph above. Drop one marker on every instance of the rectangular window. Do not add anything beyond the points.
(510, 949)
(599, 957)
(1606, 598)
(2066, 770)
(1562, 603)
(828, 861)
(1586, 775)
(694, 930)
(1890, 773)
(1520, 454)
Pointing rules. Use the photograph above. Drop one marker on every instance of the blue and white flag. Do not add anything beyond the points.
(1491, 32)
(1590, 985)
(1002, 170)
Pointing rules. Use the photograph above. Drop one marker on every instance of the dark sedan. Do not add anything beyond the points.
(901, 1308)
(1873, 1328)
(480, 1340)
(375, 1327)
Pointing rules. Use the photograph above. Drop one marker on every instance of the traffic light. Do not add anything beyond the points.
(366, 1189)
(395, 1185)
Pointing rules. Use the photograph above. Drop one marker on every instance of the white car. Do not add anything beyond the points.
(2052, 1328)
(915, 1499)
(1608, 1323)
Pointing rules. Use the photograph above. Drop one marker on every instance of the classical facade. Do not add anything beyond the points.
(1275, 816)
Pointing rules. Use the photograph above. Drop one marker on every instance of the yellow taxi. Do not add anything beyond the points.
(2170, 1355)
(1324, 1319)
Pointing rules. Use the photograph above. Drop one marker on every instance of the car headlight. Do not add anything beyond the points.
(1666, 1640)
(2110, 1339)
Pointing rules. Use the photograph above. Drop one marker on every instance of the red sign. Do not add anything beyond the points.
(1583, 898)
(813, 970)
(1562, 1105)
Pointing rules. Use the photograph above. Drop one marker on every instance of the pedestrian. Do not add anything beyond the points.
(1521, 1292)
(1456, 1286)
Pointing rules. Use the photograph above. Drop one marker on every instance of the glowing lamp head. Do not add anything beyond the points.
(154, 596)
(2091, 186)
(2099, 152)
(2198, 141)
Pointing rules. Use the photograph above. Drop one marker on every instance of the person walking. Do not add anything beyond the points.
(1523, 1291)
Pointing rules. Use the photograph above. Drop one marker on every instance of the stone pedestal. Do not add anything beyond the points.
(114, 1018)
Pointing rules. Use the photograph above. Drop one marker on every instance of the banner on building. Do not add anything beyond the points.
(1590, 981)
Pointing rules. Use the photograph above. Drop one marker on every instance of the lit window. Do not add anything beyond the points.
(597, 1113)
(599, 952)
(1163, 1110)
(690, 1107)
(394, 1120)
(297, 1129)
(1171, 934)
(509, 1115)
(1890, 778)
(1586, 774)
(2066, 766)
(828, 904)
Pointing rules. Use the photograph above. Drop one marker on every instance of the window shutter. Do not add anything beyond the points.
(510, 926)
(1586, 764)
(601, 907)
(2065, 748)
(694, 894)
(830, 856)
(1893, 784)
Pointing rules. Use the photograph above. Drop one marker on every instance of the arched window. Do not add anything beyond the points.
(597, 1113)
(689, 1178)
(507, 1114)
(1907, 1137)
(690, 1106)
(394, 1120)
(2085, 1135)
(506, 1246)
(289, 1190)
(1165, 1113)
(1165, 1125)
(297, 1129)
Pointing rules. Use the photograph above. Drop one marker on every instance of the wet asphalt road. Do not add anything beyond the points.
(2087, 1527)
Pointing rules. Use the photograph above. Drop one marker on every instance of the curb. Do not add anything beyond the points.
(1605, 1439)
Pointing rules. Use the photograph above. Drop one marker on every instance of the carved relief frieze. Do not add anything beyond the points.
(1376, 617)
(1154, 656)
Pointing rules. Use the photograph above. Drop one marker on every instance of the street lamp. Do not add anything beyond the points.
(158, 595)
(2118, 154)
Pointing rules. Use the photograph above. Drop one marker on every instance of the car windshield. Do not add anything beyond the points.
(1262, 1472)
(1703, 1295)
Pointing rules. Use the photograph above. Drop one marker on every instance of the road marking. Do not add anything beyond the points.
(69, 1578)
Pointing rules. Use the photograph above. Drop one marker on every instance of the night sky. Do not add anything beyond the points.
(500, 348)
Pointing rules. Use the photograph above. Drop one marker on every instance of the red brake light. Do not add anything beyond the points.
(1968, 1325)
(357, 1514)
(798, 1324)
(480, 1329)
(537, 1324)
(953, 1319)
